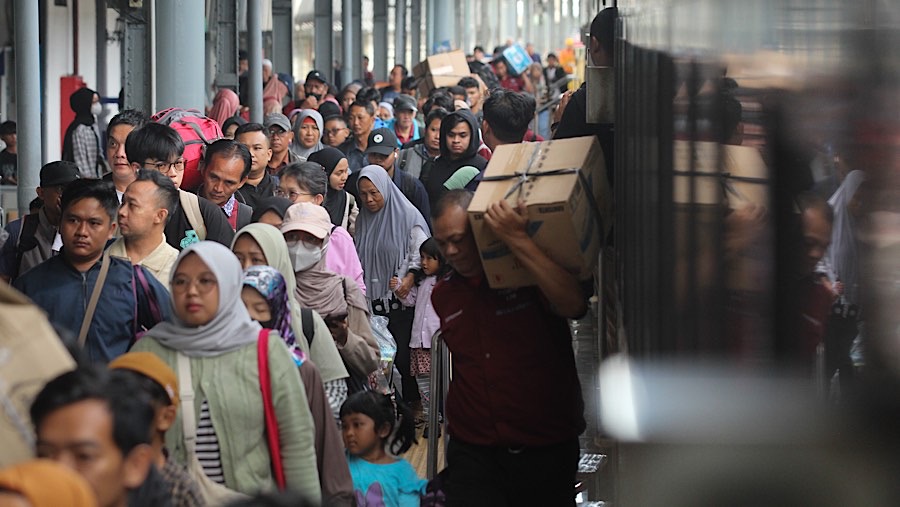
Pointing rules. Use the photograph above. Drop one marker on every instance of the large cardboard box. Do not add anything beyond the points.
(442, 69)
(565, 188)
(30, 355)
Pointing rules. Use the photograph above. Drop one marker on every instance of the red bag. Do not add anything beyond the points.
(197, 131)
(265, 384)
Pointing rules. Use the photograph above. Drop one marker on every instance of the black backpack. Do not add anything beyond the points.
(27, 241)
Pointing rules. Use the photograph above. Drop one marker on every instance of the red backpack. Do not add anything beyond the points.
(197, 131)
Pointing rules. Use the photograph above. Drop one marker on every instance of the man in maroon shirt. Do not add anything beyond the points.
(514, 407)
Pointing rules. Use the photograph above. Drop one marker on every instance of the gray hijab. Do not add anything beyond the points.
(230, 328)
(382, 238)
(296, 147)
(842, 257)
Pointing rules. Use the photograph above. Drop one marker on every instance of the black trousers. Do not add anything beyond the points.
(839, 336)
(499, 476)
(400, 321)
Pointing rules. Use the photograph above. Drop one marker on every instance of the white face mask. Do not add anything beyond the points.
(303, 256)
(96, 108)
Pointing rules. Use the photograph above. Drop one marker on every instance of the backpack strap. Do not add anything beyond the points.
(92, 304)
(265, 385)
(190, 203)
(27, 240)
(307, 325)
(186, 396)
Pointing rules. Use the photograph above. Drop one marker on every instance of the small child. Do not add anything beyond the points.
(426, 321)
(372, 428)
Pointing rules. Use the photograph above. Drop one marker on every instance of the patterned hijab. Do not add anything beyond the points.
(271, 285)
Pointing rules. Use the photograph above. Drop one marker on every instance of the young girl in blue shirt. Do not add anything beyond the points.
(376, 430)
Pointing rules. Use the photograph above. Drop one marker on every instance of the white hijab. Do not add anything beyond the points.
(230, 328)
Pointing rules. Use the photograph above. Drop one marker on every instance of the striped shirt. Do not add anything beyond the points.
(208, 446)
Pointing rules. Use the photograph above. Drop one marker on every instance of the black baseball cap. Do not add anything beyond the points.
(382, 141)
(60, 172)
(405, 103)
(329, 110)
(318, 76)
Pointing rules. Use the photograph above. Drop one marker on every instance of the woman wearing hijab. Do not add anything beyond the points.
(460, 142)
(263, 245)
(337, 298)
(841, 264)
(340, 204)
(270, 210)
(268, 302)
(81, 143)
(389, 231)
(308, 129)
(225, 106)
(212, 329)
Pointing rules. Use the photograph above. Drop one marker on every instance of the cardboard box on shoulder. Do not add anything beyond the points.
(565, 189)
(442, 69)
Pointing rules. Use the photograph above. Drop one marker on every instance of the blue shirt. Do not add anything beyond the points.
(392, 484)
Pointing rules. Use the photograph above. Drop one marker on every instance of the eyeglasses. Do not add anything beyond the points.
(166, 167)
(293, 194)
(180, 284)
(277, 132)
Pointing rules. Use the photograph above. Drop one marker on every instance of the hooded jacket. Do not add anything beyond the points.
(81, 101)
(444, 167)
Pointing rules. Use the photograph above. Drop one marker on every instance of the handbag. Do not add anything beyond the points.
(265, 386)
(213, 492)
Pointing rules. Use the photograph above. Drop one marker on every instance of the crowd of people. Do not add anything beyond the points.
(224, 333)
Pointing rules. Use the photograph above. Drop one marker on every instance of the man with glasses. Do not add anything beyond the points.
(280, 137)
(336, 131)
(159, 148)
(37, 239)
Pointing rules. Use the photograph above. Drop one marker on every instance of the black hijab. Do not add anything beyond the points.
(335, 200)
(277, 204)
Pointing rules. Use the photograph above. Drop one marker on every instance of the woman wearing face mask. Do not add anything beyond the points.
(81, 143)
(389, 231)
(268, 302)
(263, 245)
(308, 129)
(212, 329)
(340, 204)
(337, 298)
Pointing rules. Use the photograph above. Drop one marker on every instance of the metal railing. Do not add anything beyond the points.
(440, 382)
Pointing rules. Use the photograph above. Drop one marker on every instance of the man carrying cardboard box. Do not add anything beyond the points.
(514, 409)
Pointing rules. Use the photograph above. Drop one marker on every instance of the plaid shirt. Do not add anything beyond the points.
(86, 150)
(185, 492)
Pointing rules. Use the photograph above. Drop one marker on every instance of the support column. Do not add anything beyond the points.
(446, 29)
(324, 26)
(430, 12)
(28, 101)
(379, 39)
(415, 32)
(400, 34)
(100, 22)
(226, 44)
(180, 54)
(282, 43)
(349, 64)
(527, 34)
(357, 40)
(137, 69)
(254, 60)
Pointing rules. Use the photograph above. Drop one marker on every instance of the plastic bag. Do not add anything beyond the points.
(380, 379)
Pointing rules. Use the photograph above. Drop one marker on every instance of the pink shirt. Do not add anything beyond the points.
(342, 258)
